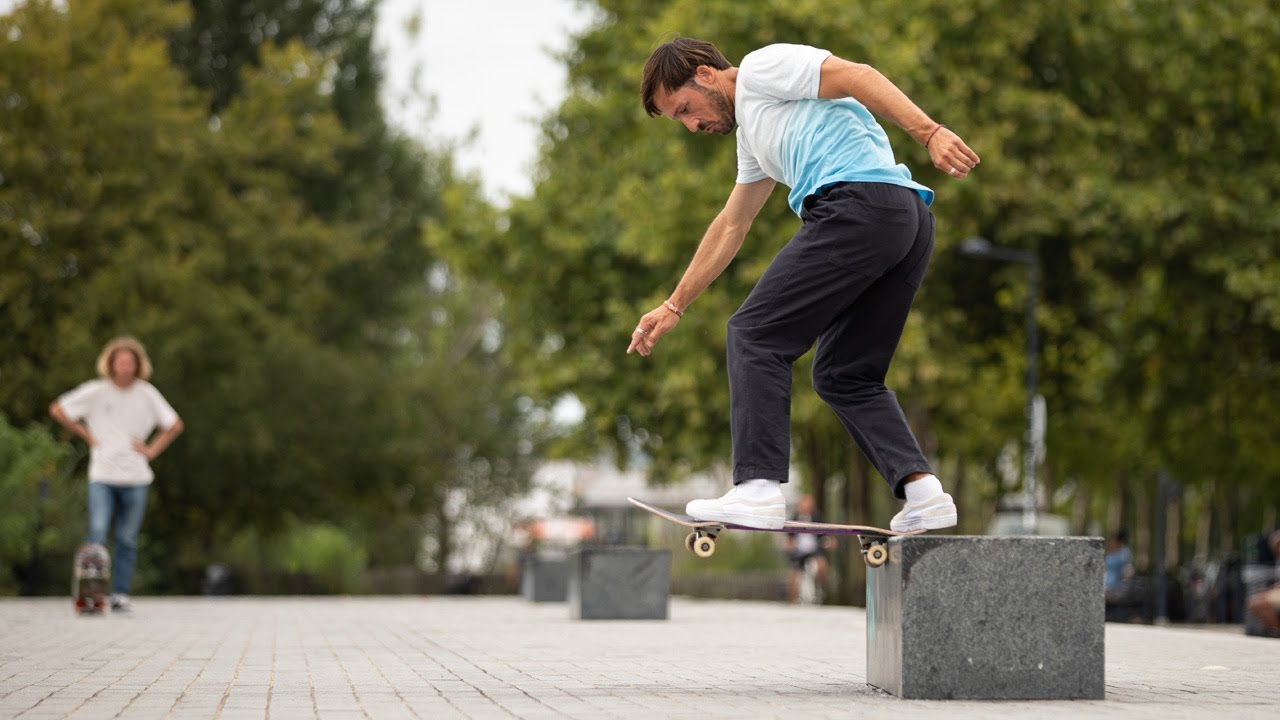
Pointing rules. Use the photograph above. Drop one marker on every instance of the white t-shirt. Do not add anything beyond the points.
(786, 132)
(116, 417)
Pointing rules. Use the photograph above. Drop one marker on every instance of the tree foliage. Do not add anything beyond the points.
(230, 193)
(1128, 144)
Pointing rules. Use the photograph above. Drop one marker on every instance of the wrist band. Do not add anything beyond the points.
(935, 132)
(671, 306)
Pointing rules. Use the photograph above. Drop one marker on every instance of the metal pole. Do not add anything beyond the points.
(1029, 454)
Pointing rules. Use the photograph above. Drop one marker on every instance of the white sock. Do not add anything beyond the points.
(926, 488)
(759, 489)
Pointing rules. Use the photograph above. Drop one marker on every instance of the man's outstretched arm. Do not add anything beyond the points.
(719, 245)
(841, 78)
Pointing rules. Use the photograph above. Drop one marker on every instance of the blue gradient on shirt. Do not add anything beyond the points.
(831, 141)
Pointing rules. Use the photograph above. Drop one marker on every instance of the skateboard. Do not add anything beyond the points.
(90, 576)
(702, 541)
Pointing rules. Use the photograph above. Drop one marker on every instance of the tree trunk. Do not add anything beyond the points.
(1120, 516)
(861, 471)
(1143, 533)
(1204, 533)
(820, 468)
(841, 561)
(815, 458)
(857, 508)
(1047, 486)
(1080, 509)
(444, 532)
(958, 485)
(1230, 517)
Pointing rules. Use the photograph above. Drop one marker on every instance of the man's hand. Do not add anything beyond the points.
(652, 326)
(153, 449)
(951, 155)
(72, 426)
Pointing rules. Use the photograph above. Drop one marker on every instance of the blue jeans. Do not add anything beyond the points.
(130, 501)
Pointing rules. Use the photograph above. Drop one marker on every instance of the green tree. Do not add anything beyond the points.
(269, 252)
(1111, 145)
(41, 522)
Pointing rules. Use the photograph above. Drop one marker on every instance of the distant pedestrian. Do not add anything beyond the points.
(804, 548)
(116, 415)
(1265, 604)
(1119, 565)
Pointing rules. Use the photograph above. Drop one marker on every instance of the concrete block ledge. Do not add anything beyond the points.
(988, 618)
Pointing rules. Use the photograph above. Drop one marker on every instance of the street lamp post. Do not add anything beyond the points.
(982, 248)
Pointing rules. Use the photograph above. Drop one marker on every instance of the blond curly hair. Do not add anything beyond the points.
(124, 342)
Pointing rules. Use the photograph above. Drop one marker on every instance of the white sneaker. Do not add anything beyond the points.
(120, 603)
(766, 512)
(933, 514)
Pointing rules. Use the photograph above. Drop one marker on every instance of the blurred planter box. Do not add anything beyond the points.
(620, 583)
(545, 578)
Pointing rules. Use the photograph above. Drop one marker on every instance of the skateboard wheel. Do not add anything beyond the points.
(876, 555)
(704, 547)
(689, 540)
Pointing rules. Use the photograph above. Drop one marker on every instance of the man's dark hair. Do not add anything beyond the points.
(672, 65)
(1121, 536)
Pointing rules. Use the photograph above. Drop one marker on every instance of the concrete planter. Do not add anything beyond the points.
(545, 578)
(990, 618)
(620, 583)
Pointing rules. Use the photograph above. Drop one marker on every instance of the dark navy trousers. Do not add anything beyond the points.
(847, 280)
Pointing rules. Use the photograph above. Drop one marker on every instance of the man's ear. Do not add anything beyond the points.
(705, 75)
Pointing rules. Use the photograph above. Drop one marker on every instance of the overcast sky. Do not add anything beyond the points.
(490, 67)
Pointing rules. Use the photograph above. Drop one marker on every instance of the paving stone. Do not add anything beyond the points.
(499, 657)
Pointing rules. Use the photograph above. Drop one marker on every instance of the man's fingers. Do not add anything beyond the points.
(651, 327)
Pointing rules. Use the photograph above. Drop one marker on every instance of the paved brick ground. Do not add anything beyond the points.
(502, 657)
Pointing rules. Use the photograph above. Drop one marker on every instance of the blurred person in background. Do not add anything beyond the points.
(116, 414)
(803, 547)
(1119, 565)
(1265, 605)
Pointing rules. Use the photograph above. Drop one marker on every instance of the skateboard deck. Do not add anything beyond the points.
(702, 541)
(90, 578)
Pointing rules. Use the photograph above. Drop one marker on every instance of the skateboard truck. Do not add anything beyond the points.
(702, 542)
(873, 551)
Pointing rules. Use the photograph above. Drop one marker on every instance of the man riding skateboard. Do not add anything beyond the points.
(803, 117)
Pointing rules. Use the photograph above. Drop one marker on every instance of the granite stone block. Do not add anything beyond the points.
(988, 618)
(620, 583)
(545, 578)
(1256, 578)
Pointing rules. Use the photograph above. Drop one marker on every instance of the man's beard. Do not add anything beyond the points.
(728, 120)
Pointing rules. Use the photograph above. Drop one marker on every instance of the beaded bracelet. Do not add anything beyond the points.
(671, 306)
